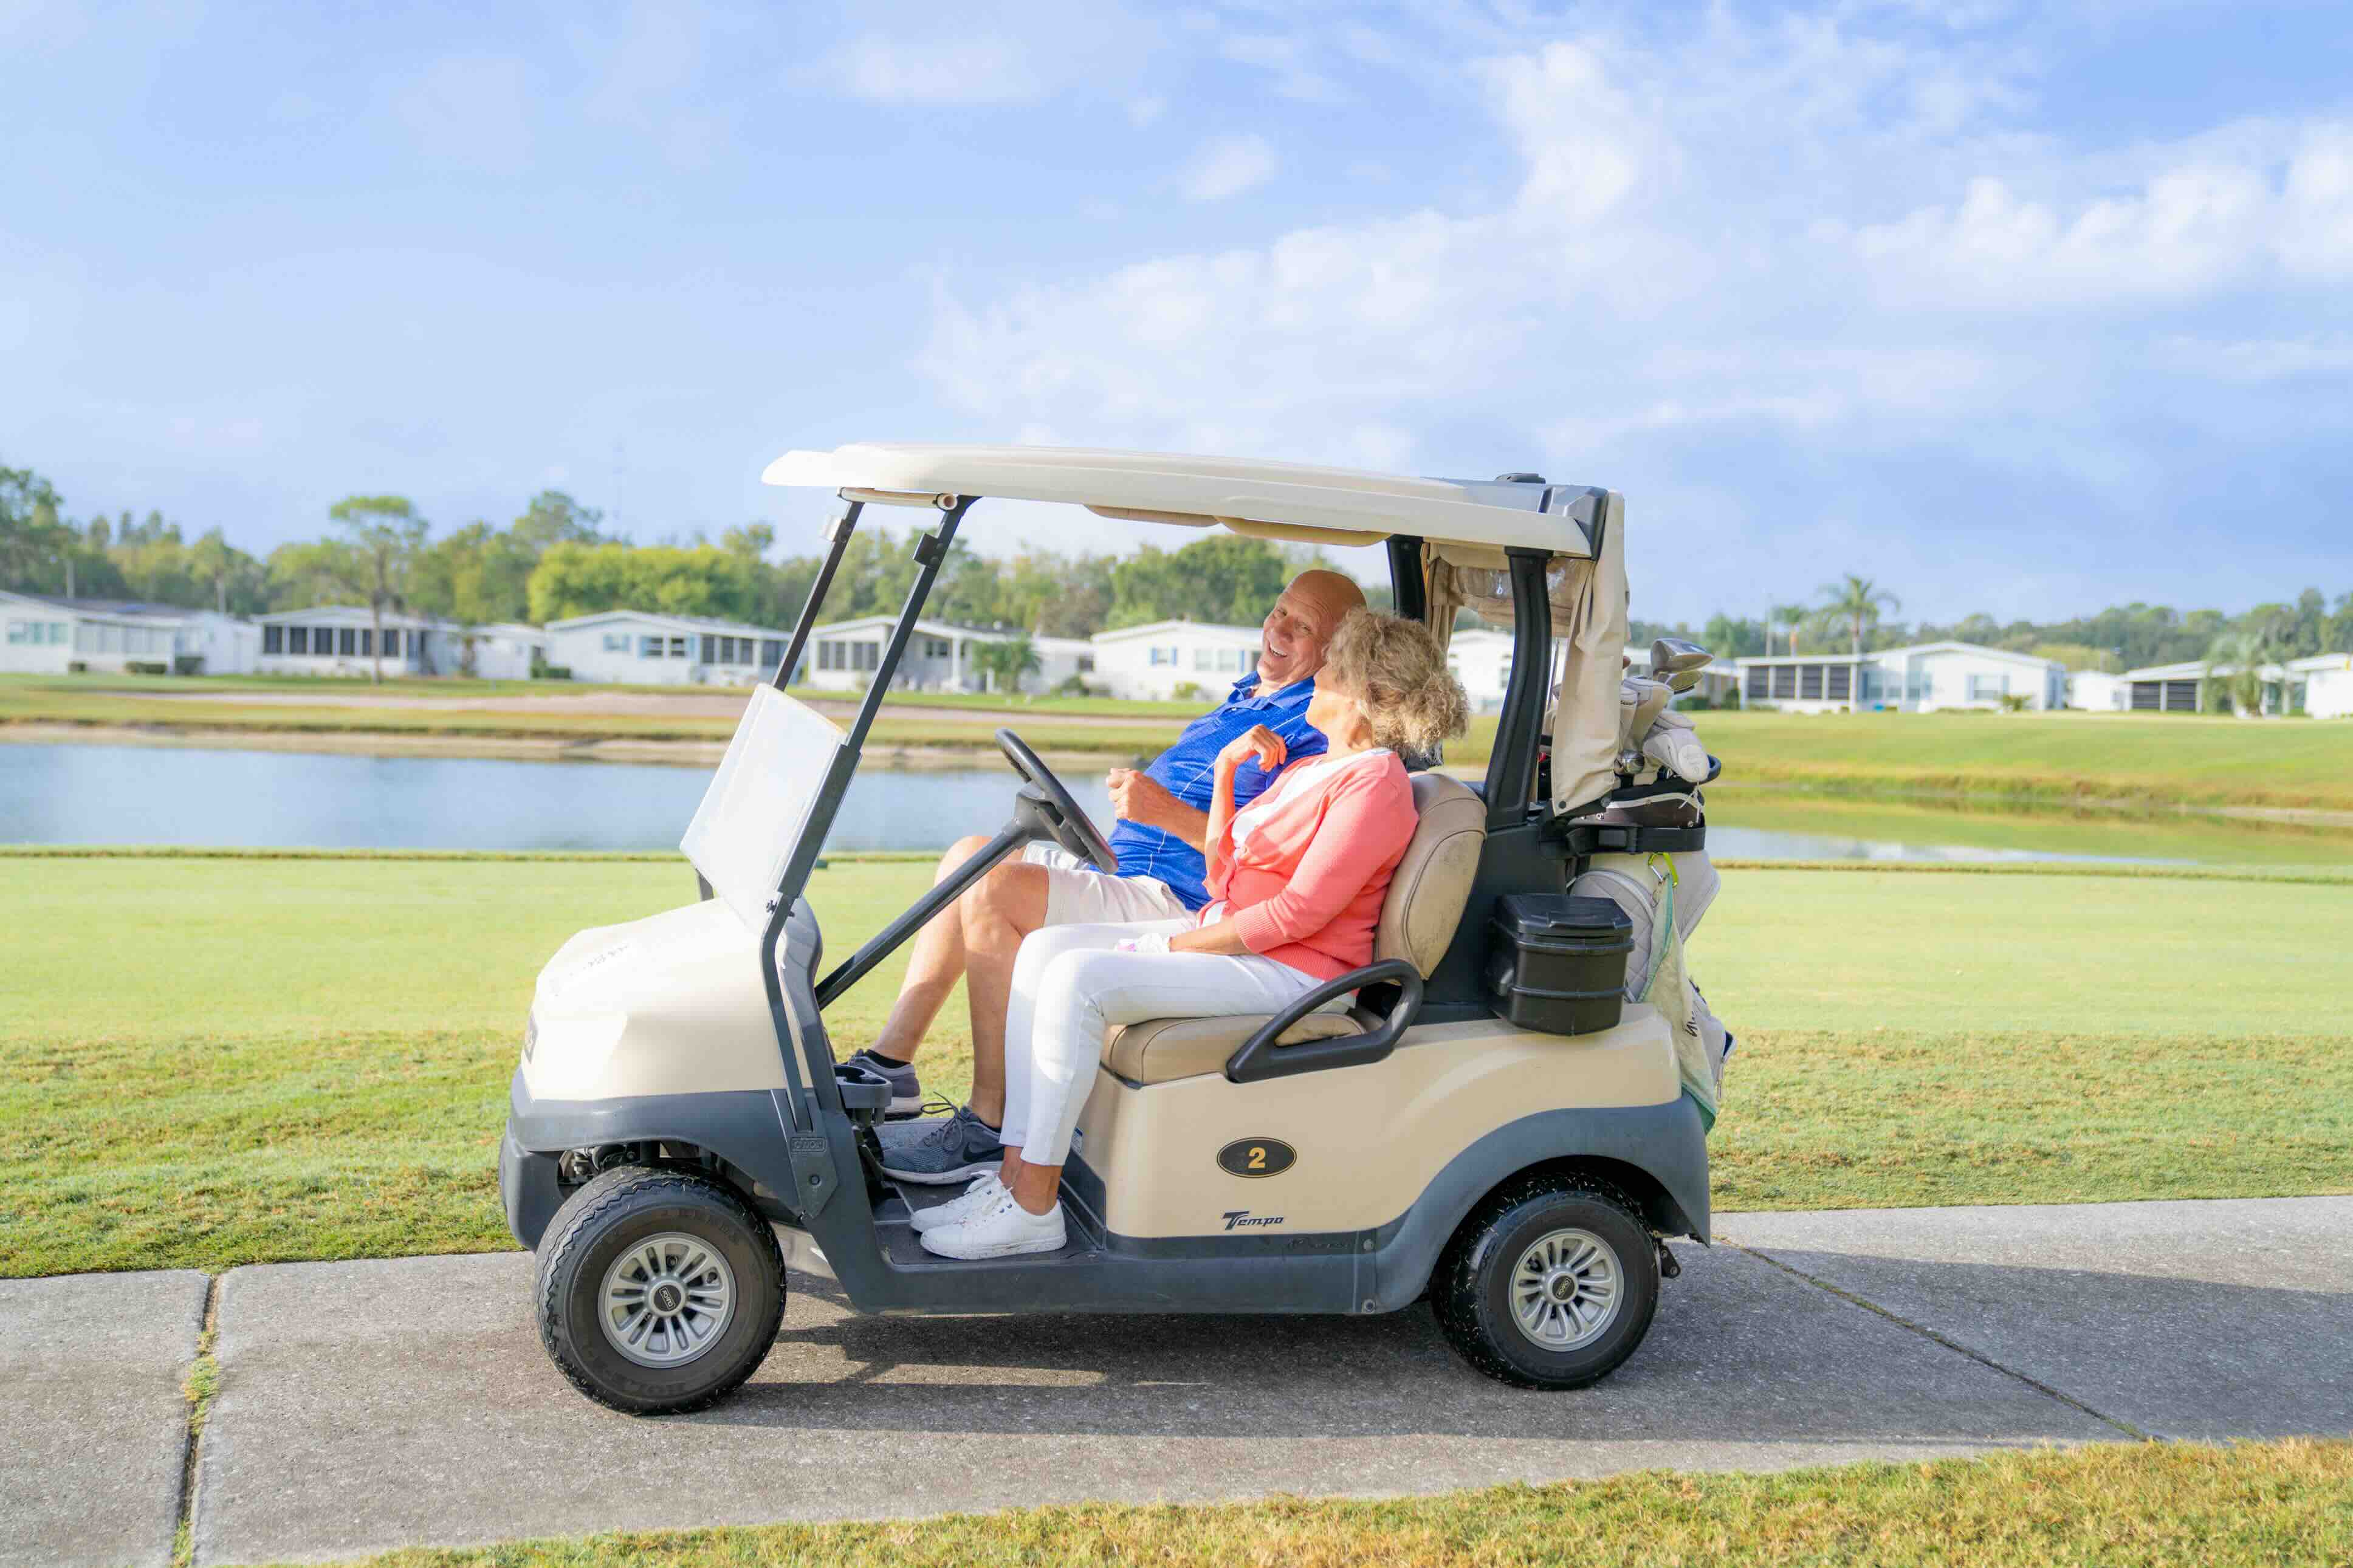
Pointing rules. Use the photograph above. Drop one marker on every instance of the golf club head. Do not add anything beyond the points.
(1683, 680)
(1673, 656)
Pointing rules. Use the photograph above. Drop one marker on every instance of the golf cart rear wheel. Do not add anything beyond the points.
(1550, 1283)
(659, 1291)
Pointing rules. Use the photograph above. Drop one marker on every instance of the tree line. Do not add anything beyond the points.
(554, 560)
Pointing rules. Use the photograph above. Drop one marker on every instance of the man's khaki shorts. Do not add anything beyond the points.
(1078, 894)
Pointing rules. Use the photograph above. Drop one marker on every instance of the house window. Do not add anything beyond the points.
(649, 647)
(1086, 664)
(772, 650)
(936, 648)
(710, 648)
(20, 632)
(1204, 659)
(1810, 681)
(298, 639)
(347, 641)
(368, 642)
(829, 656)
(868, 655)
(678, 648)
(617, 642)
(392, 642)
(273, 639)
(1784, 681)
(1841, 682)
(1988, 688)
(1757, 677)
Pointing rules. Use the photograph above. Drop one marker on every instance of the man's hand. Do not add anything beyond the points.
(1261, 742)
(1139, 798)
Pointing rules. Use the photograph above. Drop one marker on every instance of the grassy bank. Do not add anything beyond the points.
(2137, 760)
(2115, 1506)
(213, 1062)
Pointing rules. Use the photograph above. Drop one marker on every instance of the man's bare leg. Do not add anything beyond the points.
(1004, 907)
(934, 966)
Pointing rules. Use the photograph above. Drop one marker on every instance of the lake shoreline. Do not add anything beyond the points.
(917, 758)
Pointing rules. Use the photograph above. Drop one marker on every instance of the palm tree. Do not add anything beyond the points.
(1005, 663)
(2234, 668)
(1856, 600)
(1792, 617)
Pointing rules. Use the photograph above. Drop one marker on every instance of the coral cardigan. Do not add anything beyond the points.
(1304, 886)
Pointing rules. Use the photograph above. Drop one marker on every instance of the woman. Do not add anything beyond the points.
(1296, 878)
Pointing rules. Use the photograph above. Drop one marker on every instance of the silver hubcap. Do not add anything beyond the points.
(1566, 1289)
(666, 1298)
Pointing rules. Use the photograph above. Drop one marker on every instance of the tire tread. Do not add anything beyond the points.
(1457, 1292)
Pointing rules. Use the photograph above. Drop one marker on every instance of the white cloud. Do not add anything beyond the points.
(940, 55)
(1228, 166)
(471, 108)
(1831, 253)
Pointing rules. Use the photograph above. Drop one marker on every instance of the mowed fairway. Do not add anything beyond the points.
(213, 1062)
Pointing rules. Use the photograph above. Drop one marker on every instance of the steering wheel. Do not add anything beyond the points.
(1049, 806)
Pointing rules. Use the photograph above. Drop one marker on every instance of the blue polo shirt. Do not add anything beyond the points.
(1187, 770)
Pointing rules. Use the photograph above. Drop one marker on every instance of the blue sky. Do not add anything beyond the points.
(2015, 312)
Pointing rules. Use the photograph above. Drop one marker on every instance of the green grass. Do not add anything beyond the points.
(2141, 835)
(2110, 1506)
(209, 1061)
(2147, 759)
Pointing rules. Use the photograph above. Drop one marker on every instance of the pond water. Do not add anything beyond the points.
(141, 795)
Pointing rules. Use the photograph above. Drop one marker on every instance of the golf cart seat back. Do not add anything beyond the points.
(1427, 893)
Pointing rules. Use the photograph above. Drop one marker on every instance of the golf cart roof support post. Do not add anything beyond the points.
(1511, 767)
(944, 893)
(1409, 595)
(839, 531)
(931, 549)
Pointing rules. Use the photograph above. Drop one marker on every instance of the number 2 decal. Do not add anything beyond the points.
(1257, 1157)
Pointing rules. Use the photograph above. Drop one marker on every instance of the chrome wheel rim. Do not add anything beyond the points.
(666, 1298)
(1567, 1289)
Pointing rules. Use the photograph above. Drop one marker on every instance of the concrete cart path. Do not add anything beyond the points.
(372, 1404)
(97, 1423)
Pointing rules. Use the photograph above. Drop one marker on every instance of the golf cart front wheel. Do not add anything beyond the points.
(1550, 1283)
(659, 1291)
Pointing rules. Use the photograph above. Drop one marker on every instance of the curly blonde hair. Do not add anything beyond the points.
(1398, 675)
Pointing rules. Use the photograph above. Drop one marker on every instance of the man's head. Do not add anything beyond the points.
(1299, 626)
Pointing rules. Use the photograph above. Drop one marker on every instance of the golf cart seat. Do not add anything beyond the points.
(1427, 892)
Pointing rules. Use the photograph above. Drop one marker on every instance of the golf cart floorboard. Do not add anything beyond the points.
(902, 1249)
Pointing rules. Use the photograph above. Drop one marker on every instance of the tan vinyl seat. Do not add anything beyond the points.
(1427, 892)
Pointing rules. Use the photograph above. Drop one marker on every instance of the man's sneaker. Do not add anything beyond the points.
(906, 1094)
(957, 1149)
(1002, 1229)
(976, 1197)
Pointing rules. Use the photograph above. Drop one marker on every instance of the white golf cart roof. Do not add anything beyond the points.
(1285, 501)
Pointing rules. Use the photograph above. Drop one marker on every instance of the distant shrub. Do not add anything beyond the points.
(1186, 691)
(545, 671)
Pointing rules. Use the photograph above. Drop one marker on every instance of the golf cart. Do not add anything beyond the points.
(1491, 1125)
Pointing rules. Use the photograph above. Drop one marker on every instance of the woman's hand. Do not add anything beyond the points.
(1261, 742)
(1150, 941)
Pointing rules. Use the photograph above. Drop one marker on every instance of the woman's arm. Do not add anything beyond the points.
(1220, 938)
(1365, 826)
(1271, 751)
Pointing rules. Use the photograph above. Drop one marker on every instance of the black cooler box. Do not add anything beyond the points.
(1558, 963)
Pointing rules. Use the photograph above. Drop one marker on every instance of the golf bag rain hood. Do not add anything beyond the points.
(1588, 637)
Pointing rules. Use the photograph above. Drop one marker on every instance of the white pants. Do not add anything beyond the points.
(1069, 986)
(1078, 894)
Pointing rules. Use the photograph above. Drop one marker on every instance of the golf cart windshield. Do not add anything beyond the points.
(752, 815)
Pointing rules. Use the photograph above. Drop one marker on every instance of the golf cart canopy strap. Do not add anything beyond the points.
(1588, 637)
(1236, 491)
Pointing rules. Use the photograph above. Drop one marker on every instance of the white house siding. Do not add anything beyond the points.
(503, 650)
(2328, 684)
(638, 648)
(1150, 662)
(2097, 691)
(1917, 679)
(336, 640)
(36, 637)
(1482, 661)
(50, 637)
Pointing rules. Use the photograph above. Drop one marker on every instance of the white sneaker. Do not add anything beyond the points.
(1001, 1229)
(976, 1197)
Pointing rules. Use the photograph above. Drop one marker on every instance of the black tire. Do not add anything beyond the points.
(622, 1209)
(1471, 1289)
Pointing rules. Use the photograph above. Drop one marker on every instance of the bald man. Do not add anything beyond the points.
(1163, 813)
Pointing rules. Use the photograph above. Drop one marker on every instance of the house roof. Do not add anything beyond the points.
(1160, 628)
(123, 609)
(664, 618)
(1247, 495)
(1976, 651)
(357, 615)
